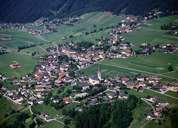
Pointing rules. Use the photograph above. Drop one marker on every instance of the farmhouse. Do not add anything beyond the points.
(173, 88)
(15, 65)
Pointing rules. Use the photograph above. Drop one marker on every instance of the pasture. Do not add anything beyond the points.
(88, 23)
(151, 32)
(154, 64)
(15, 38)
(27, 64)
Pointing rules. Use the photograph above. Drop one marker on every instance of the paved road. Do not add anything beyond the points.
(30, 109)
(59, 122)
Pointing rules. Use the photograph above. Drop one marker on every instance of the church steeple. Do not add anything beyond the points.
(99, 74)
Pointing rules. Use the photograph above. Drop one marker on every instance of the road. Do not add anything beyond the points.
(163, 94)
(143, 99)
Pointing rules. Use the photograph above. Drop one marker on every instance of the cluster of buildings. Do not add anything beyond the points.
(54, 70)
(169, 48)
(2, 77)
(148, 82)
(158, 107)
(11, 26)
(40, 26)
(108, 96)
(15, 65)
(128, 24)
(46, 117)
(12, 95)
(153, 14)
(3, 50)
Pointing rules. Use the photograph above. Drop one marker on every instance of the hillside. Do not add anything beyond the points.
(29, 10)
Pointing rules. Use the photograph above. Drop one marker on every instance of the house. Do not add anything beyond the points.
(124, 79)
(126, 52)
(15, 66)
(60, 79)
(140, 84)
(130, 85)
(67, 100)
(111, 94)
(80, 95)
(151, 99)
(140, 78)
(41, 90)
(173, 88)
(38, 74)
(18, 100)
(163, 88)
(150, 116)
(95, 79)
(85, 87)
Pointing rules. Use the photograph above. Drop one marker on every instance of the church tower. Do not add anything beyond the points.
(99, 74)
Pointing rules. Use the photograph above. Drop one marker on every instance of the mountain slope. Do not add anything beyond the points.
(29, 10)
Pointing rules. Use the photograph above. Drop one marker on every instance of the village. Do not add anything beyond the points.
(62, 66)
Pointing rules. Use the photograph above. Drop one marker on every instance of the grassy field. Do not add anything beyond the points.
(52, 124)
(27, 64)
(154, 64)
(139, 115)
(13, 40)
(172, 94)
(16, 38)
(45, 108)
(151, 32)
(89, 22)
(52, 112)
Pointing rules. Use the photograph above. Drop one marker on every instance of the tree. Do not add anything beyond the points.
(73, 67)
(121, 115)
(116, 115)
(62, 59)
(47, 98)
(170, 68)
(1, 84)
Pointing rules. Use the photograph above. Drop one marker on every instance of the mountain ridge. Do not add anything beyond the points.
(30, 10)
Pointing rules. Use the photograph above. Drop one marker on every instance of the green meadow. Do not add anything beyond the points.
(27, 64)
(12, 39)
(15, 38)
(88, 23)
(151, 32)
(154, 64)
